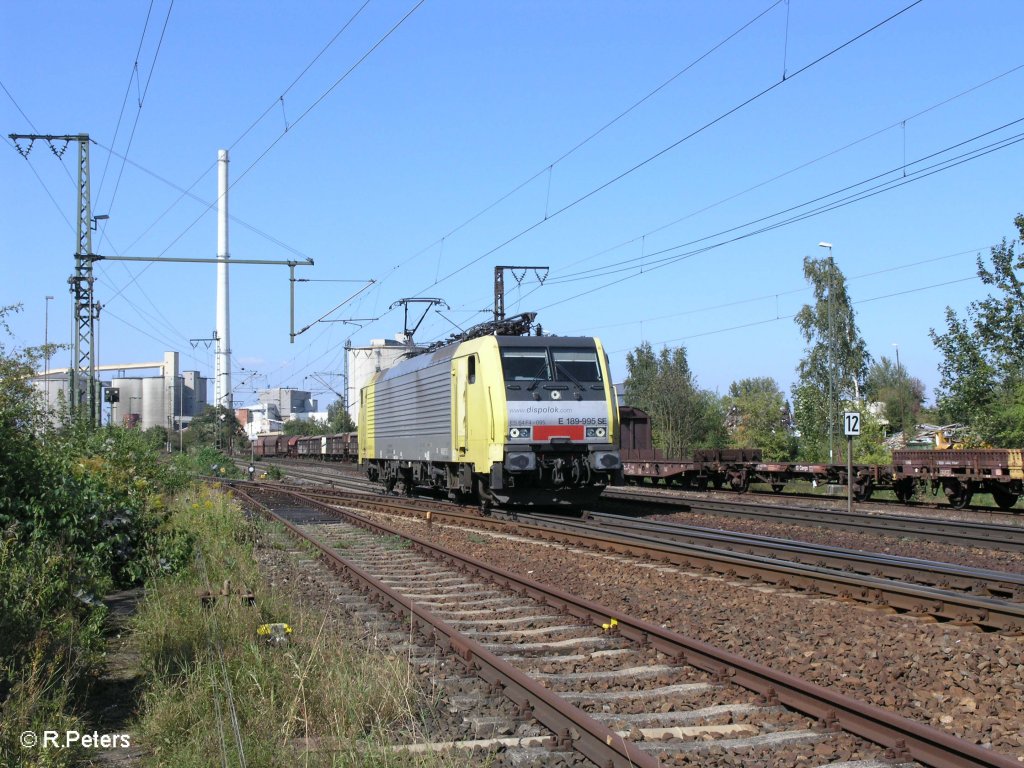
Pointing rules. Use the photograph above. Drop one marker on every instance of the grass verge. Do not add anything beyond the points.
(203, 663)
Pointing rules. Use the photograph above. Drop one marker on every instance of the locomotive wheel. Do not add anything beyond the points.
(904, 490)
(958, 494)
(1004, 499)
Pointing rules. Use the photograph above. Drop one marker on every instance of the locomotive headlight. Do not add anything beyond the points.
(522, 432)
(596, 431)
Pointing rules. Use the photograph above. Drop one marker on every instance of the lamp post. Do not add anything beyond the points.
(831, 344)
(900, 384)
(46, 349)
(181, 411)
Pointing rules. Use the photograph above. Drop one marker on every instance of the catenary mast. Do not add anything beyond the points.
(222, 364)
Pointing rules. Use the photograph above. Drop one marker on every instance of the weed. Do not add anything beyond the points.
(320, 688)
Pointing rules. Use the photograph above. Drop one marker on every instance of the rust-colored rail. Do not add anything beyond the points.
(879, 587)
(592, 739)
(905, 739)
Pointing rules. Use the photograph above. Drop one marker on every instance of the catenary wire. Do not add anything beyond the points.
(800, 217)
(580, 144)
(678, 142)
(302, 116)
(753, 323)
(209, 206)
(600, 271)
(646, 265)
(777, 294)
(801, 166)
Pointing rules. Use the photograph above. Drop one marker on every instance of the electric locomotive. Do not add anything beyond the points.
(495, 418)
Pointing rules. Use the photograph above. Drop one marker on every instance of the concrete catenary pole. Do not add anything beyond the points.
(222, 381)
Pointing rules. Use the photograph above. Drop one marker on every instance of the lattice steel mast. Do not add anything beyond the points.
(85, 310)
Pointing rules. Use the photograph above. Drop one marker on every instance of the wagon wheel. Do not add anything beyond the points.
(904, 490)
(1004, 499)
(740, 483)
(777, 487)
(958, 494)
(862, 489)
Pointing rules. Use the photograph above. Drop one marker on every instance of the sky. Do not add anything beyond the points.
(671, 163)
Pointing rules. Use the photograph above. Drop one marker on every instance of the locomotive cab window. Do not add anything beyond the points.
(577, 365)
(524, 364)
(472, 369)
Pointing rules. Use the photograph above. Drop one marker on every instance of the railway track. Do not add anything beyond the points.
(991, 600)
(966, 533)
(619, 690)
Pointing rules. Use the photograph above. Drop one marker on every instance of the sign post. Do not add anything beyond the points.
(851, 428)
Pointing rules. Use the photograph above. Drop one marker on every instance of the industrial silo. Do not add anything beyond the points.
(154, 397)
(129, 400)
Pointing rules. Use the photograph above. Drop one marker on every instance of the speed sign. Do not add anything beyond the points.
(851, 424)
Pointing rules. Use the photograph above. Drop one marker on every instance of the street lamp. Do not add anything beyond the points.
(899, 374)
(46, 349)
(831, 344)
(181, 412)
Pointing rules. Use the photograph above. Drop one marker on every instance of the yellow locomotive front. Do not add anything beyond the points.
(508, 420)
(561, 441)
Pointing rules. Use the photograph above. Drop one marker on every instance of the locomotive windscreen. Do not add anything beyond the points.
(525, 364)
(576, 364)
(546, 364)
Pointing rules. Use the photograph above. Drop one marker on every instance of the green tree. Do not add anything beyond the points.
(835, 360)
(982, 368)
(216, 427)
(312, 426)
(757, 415)
(901, 393)
(339, 418)
(869, 447)
(683, 417)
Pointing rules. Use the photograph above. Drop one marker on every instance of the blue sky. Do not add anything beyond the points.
(477, 134)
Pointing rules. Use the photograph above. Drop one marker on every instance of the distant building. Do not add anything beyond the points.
(258, 422)
(284, 403)
(362, 362)
(170, 399)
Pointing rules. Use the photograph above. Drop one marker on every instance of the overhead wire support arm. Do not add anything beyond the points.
(290, 263)
(323, 317)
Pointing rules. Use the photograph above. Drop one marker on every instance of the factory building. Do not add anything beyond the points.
(284, 404)
(170, 400)
(362, 362)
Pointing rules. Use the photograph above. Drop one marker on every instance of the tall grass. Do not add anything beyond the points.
(320, 700)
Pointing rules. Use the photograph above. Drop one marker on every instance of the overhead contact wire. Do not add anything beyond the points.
(677, 143)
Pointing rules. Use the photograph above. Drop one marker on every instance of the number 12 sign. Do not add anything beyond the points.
(851, 424)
